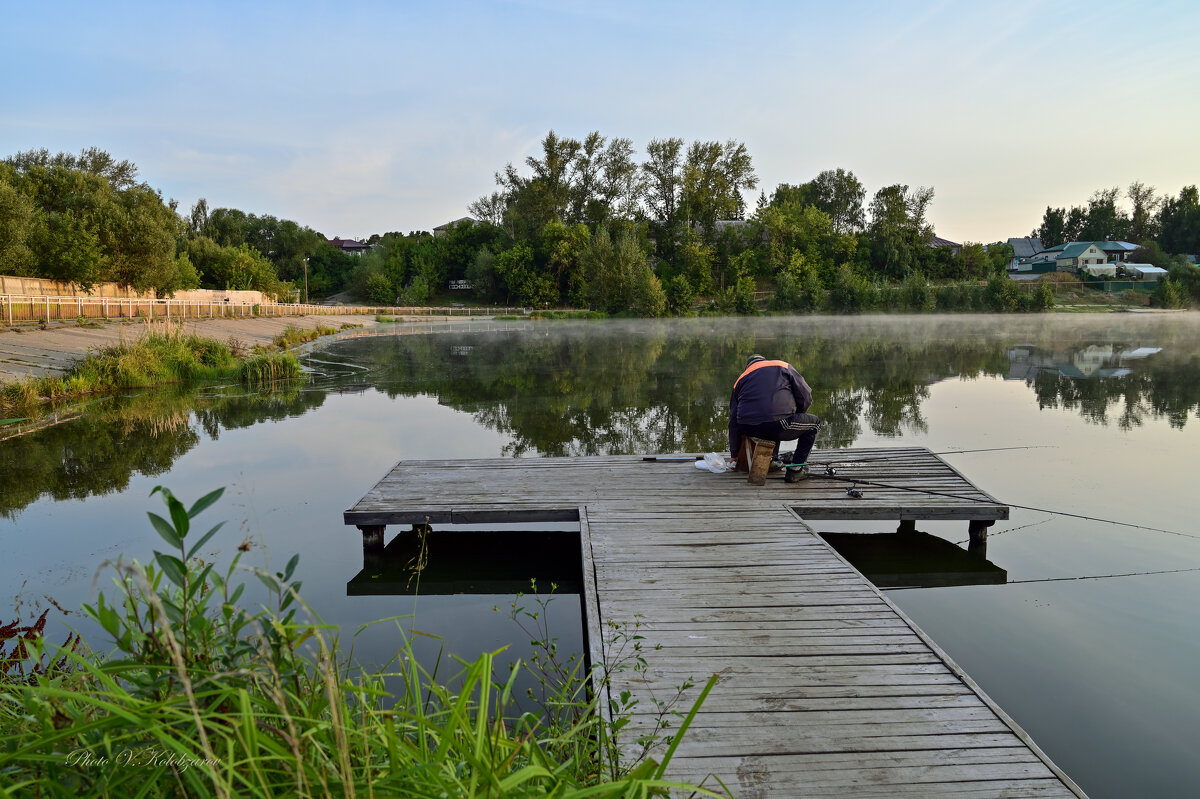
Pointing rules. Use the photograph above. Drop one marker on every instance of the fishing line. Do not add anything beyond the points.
(1057, 579)
(995, 449)
(995, 533)
(1011, 505)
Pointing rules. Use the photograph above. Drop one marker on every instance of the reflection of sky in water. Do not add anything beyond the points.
(1101, 673)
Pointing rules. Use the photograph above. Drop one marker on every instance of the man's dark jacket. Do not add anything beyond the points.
(768, 391)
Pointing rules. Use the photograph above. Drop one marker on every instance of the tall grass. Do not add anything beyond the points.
(268, 368)
(202, 698)
(163, 355)
(293, 336)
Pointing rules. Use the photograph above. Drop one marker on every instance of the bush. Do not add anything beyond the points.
(1002, 294)
(379, 289)
(915, 294)
(743, 297)
(851, 292)
(787, 293)
(1043, 298)
(1170, 294)
(681, 297)
(649, 299)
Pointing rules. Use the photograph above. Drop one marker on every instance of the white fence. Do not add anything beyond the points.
(16, 309)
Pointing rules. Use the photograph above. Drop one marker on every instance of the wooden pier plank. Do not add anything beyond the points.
(824, 688)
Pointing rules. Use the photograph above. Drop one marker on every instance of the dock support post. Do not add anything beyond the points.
(907, 526)
(372, 537)
(978, 529)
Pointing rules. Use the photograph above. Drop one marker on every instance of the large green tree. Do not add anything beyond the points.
(713, 179)
(18, 226)
(85, 218)
(900, 231)
(839, 194)
(1179, 222)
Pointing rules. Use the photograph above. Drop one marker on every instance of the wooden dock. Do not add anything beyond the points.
(826, 688)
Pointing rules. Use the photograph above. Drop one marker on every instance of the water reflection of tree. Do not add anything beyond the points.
(661, 388)
(1164, 386)
(101, 450)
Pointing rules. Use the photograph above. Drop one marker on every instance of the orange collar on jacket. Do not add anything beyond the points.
(759, 365)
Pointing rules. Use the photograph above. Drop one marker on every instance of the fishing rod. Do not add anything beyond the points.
(828, 475)
(682, 458)
(856, 461)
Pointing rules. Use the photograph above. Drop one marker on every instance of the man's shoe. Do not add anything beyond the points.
(796, 473)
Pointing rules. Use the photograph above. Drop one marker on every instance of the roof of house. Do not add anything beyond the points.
(1116, 246)
(1040, 258)
(348, 244)
(1026, 247)
(1075, 248)
(937, 241)
(452, 223)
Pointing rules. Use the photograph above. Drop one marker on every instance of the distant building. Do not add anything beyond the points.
(349, 246)
(940, 243)
(1070, 257)
(1078, 254)
(1147, 272)
(442, 230)
(1030, 257)
(1117, 250)
(1024, 249)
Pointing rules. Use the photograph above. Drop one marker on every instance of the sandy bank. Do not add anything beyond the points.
(37, 353)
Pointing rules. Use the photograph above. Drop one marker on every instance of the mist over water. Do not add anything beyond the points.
(1101, 672)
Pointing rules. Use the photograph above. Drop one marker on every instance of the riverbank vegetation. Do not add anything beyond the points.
(202, 697)
(163, 355)
(581, 224)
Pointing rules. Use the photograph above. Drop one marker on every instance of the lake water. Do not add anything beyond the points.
(1092, 644)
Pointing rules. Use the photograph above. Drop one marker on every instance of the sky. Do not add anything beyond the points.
(356, 118)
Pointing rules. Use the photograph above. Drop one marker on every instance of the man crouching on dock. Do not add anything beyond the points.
(771, 400)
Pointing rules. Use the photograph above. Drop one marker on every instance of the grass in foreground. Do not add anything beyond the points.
(203, 698)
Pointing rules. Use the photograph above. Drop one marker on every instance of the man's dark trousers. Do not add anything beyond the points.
(799, 427)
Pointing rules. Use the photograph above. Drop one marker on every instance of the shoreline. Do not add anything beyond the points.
(51, 352)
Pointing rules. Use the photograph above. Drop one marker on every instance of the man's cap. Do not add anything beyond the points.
(754, 358)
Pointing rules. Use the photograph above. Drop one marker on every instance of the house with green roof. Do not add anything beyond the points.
(1079, 254)
(1073, 256)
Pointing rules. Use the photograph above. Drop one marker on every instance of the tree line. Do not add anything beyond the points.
(1172, 223)
(87, 219)
(582, 223)
(585, 224)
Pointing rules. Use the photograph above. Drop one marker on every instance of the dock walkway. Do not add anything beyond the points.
(826, 688)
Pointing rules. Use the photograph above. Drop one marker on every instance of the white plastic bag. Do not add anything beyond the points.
(713, 462)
